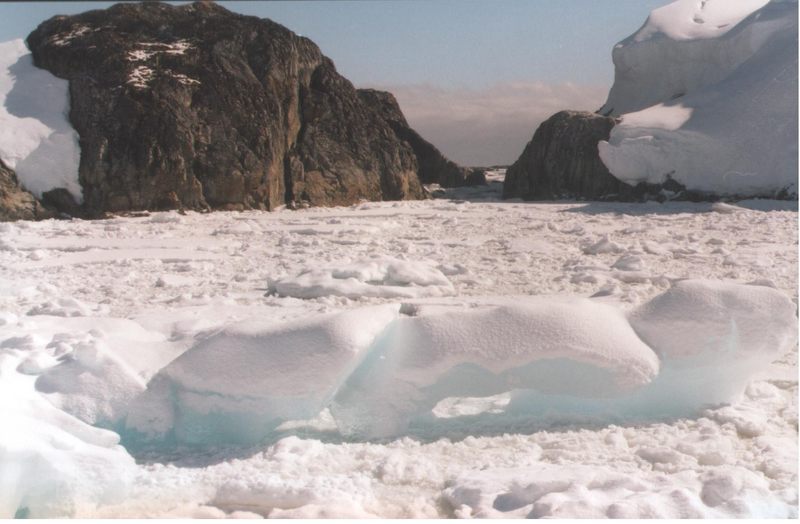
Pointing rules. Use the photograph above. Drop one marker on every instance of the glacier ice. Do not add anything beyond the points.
(382, 370)
(682, 47)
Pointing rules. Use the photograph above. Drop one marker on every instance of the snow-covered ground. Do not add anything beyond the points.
(101, 321)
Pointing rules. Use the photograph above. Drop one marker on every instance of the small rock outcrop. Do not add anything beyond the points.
(15, 202)
(561, 161)
(196, 107)
(434, 167)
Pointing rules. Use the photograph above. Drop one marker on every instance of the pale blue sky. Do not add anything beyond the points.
(467, 50)
(441, 42)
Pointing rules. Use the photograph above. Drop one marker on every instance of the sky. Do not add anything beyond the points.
(474, 77)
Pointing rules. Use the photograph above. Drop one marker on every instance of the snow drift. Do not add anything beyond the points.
(36, 139)
(51, 463)
(708, 97)
(381, 373)
(237, 386)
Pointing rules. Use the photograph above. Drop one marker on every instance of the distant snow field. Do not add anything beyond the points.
(458, 357)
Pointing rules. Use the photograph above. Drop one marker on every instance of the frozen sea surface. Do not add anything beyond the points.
(91, 312)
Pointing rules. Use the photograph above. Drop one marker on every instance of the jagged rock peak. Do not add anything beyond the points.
(434, 167)
(195, 106)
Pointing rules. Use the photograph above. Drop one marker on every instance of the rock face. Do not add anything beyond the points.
(561, 161)
(434, 167)
(197, 107)
(15, 202)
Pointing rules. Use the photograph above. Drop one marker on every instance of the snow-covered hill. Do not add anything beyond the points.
(707, 91)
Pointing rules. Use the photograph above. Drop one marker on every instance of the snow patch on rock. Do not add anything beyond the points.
(36, 139)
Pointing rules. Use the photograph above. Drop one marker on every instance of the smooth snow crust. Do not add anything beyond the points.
(36, 139)
(682, 47)
(715, 110)
(694, 20)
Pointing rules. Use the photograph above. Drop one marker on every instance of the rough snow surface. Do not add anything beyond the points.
(36, 139)
(385, 277)
(708, 97)
(127, 297)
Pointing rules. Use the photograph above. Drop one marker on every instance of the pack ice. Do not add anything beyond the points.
(382, 370)
(707, 93)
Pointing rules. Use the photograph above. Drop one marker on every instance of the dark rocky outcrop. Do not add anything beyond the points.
(561, 161)
(15, 202)
(196, 107)
(434, 167)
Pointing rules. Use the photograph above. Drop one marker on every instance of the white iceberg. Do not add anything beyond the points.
(707, 93)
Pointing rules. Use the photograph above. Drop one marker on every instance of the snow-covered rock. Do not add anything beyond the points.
(708, 97)
(36, 139)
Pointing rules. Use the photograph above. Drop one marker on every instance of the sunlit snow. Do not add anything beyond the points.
(707, 93)
(163, 329)
(36, 139)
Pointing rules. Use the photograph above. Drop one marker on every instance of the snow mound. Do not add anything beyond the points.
(715, 336)
(383, 277)
(552, 346)
(708, 97)
(53, 465)
(36, 139)
(240, 384)
(88, 380)
(382, 371)
(89, 367)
